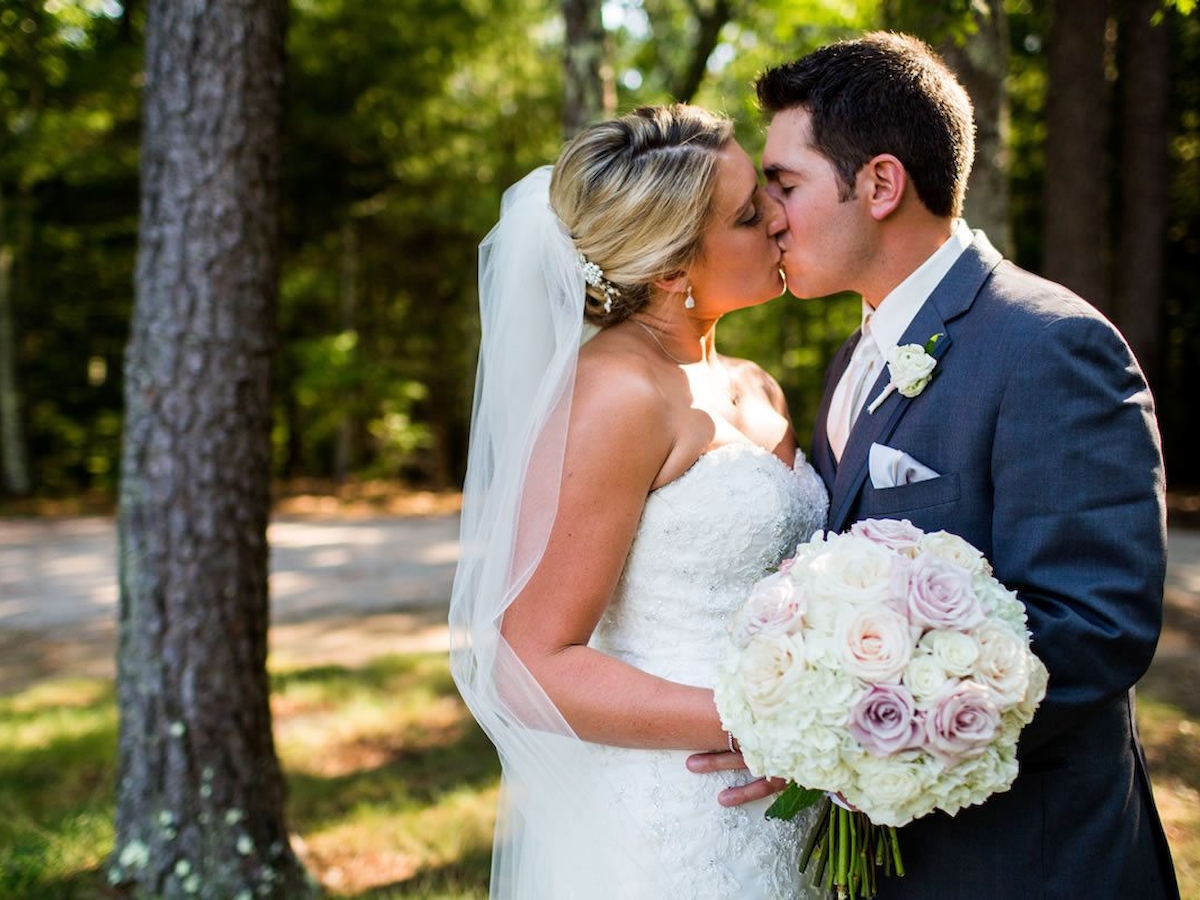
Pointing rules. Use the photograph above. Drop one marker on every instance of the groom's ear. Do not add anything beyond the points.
(886, 180)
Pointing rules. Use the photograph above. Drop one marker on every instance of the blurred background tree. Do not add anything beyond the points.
(406, 120)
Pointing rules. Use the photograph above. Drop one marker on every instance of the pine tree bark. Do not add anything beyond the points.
(1076, 175)
(588, 94)
(200, 794)
(1145, 181)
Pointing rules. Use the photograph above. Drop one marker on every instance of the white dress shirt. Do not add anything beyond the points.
(888, 322)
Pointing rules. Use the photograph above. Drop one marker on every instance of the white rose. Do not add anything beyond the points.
(768, 669)
(1003, 663)
(774, 607)
(820, 619)
(875, 642)
(954, 651)
(924, 677)
(911, 368)
(851, 569)
(952, 548)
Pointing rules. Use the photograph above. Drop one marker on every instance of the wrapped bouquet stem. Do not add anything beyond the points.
(887, 666)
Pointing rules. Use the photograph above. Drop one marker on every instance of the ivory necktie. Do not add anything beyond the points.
(851, 392)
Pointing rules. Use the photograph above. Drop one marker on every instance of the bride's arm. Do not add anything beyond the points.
(619, 439)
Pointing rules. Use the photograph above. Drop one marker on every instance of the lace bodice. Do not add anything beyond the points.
(703, 540)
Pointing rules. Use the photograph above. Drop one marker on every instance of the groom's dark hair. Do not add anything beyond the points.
(882, 93)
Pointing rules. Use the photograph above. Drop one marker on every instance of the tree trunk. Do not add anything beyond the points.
(709, 24)
(588, 94)
(1145, 178)
(13, 458)
(200, 794)
(981, 63)
(1076, 175)
(345, 453)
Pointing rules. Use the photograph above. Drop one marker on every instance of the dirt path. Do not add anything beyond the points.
(346, 589)
(343, 590)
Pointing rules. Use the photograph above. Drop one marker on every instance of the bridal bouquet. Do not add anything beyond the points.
(887, 666)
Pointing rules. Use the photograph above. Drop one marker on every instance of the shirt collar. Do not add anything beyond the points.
(897, 310)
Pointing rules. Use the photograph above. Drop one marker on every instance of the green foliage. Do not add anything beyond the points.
(405, 122)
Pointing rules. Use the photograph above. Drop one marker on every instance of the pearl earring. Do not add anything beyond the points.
(690, 302)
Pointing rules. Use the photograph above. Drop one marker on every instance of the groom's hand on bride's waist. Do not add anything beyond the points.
(722, 761)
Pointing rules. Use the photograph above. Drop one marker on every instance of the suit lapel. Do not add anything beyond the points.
(949, 300)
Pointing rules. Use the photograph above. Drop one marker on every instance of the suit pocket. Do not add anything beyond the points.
(918, 495)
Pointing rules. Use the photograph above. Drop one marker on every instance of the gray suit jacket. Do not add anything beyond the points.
(1043, 432)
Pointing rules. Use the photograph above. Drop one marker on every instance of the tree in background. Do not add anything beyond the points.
(1075, 196)
(973, 38)
(587, 77)
(200, 794)
(13, 465)
(1145, 67)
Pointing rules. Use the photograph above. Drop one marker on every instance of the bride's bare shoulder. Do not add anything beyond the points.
(614, 363)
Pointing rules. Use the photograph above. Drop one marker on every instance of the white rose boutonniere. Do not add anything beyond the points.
(911, 367)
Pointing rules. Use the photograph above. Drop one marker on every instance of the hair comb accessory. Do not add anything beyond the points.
(594, 276)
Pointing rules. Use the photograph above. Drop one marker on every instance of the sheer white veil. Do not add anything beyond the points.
(553, 803)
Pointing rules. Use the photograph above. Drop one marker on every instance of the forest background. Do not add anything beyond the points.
(405, 121)
(237, 249)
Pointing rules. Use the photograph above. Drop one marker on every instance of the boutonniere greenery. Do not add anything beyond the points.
(911, 367)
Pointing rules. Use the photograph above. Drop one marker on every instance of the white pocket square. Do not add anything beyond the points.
(892, 468)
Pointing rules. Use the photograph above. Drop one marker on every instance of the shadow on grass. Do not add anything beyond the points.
(408, 778)
(464, 879)
(379, 674)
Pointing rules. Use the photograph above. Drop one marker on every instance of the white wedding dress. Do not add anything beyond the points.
(703, 540)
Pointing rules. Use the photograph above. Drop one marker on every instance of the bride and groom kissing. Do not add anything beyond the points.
(627, 485)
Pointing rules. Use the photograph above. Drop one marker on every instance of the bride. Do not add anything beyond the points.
(626, 486)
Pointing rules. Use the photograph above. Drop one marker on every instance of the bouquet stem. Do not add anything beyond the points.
(846, 849)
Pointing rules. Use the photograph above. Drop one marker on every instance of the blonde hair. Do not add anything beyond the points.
(635, 193)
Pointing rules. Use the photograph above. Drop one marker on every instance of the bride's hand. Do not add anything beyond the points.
(723, 760)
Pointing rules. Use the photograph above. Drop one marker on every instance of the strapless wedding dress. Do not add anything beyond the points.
(703, 540)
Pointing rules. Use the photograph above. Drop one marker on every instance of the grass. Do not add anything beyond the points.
(392, 787)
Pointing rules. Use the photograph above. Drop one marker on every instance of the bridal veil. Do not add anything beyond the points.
(553, 803)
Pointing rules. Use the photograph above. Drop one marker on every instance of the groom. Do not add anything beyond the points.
(1036, 441)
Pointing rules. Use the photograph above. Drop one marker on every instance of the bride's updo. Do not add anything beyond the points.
(635, 193)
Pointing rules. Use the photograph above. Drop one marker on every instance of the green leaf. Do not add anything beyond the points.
(793, 799)
(932, 342)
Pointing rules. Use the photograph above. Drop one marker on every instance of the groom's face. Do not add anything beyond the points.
(828, 241)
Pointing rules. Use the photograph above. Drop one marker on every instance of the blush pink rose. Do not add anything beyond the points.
(942, 595)
(898, 534)
(884, 720)
(875, 643)
(962, 721)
